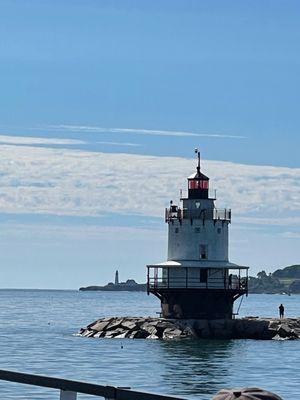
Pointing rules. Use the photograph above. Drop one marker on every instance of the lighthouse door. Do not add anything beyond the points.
(203, 275)
(203, 251)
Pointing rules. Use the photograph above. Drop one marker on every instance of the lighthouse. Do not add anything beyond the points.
(197, 281)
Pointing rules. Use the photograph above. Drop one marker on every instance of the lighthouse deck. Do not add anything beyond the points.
(214, 214)
(166, 278)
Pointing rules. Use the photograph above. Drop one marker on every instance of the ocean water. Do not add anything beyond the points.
(37, 336)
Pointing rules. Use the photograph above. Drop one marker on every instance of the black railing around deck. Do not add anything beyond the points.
(162, 278)
(69, 389)
(214, 214)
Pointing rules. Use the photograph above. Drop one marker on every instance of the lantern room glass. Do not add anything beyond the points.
(198, 184)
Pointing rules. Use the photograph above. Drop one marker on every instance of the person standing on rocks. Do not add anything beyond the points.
(281, 311)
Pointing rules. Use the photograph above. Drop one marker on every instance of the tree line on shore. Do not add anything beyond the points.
(286, 280)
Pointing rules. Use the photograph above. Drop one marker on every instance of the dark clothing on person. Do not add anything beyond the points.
(281, 311)
(230, 281)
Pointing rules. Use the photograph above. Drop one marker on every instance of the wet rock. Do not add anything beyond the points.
(99, 325)
(152, 337)
(189, 331)
(99, 334)
(109, 334)
(162, 325)
(172, 333)
(119, 331)
(106, 319)
(129, 324)
(297, 332)
(149, 328)
(285, 331)
(88, 333)
(138, 335)
(273, 324)
(122, 335)
(114, 324)
(278, 337)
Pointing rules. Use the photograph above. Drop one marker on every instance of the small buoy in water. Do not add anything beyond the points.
(121, 346)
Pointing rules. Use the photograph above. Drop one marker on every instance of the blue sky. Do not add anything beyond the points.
(101, 106)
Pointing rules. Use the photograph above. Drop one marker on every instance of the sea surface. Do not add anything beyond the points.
(38, 327)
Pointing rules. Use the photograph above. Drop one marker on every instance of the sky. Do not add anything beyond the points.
(102, 104)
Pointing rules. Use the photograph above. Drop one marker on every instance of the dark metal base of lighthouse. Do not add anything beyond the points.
(197, 304)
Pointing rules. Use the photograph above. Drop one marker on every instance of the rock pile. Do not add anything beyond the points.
(267, 328)
(134, 328)
(159, 328)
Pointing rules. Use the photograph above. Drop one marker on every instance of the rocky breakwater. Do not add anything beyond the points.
(159, 328)
(135, 328)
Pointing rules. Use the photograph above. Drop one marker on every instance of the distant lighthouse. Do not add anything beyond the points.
(117, 277)
(197, 281)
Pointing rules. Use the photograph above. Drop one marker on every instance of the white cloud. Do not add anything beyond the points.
(46, 231)
(120, 144)
(291, 235)
(19, 140)
(29, 140)
(81, 183)
(98, 129)
(288, 221)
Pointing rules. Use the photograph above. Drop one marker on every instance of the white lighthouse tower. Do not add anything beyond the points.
(197, 281)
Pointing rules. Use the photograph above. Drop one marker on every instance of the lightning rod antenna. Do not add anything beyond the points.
(198, 155)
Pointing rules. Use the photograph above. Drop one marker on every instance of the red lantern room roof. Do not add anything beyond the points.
(198, 176)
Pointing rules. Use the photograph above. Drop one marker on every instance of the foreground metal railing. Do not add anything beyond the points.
(69, 389)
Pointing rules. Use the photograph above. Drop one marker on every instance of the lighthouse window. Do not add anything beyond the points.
(196, 184)
(203, 275)
(203, 251)
(176, 230)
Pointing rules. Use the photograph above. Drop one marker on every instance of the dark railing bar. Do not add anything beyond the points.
(213, 213)
(109, 392)
(182, 283)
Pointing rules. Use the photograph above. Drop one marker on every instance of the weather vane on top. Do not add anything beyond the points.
(198, 154)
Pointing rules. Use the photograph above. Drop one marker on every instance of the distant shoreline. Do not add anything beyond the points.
(123, 287)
